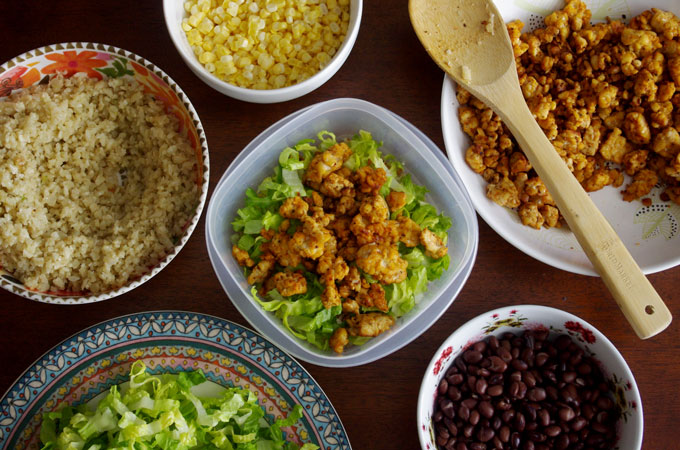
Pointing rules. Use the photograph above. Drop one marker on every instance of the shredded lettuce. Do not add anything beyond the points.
(162, 412)
(304, 315)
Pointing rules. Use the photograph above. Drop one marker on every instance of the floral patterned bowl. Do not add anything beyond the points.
(531, 317)
(105, 61)
(83, 367)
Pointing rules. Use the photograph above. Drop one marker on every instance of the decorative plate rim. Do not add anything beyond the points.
(10, 284)
(17, 390)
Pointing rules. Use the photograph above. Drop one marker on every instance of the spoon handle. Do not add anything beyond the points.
(637, 298)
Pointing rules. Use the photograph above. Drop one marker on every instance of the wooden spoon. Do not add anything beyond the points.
(468, 39)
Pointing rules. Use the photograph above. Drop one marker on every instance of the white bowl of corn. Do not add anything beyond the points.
(263, 51)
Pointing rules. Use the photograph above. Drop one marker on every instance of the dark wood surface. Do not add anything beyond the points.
(376, 402)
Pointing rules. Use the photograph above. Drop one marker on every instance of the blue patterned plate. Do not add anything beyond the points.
(85, 365)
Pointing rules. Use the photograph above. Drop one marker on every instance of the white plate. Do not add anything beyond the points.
(650, 233)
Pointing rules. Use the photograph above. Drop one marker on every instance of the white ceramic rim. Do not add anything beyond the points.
(179, 40)
(184, 99)
(416, 327)
(504, 312)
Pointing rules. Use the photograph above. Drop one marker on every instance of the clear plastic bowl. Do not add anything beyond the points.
(423, 160)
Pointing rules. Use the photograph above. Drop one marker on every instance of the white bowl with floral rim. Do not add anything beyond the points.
(106, 61)
(533, 317)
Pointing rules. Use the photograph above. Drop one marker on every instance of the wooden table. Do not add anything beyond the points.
(376, 402)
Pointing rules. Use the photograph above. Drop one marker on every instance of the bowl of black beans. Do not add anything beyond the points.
(528, 377)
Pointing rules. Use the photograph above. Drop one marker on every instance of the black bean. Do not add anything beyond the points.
(604, 402)
(443, 386)
(529, 379)
(569, 377)
(536, 394)
(486, 409)
(515, 440)
(454, 393)
(472, 356)
(553, 430)
(540, 359)
(474, 417)
(469, 403)
(578, 424)
(562, 442)
(437, 416)
(508, 415)
(588, 411)
(481, 386)
(543, 417)
(460, 364)
(446, 407)
(455, 379)
(497, 364)
(496, 378)
(522, 390)
(504, 354)
(495, 390)
(468, 430)
(464, 413)
(520, 365)
(451, 426)
(504, 433)
(566, 414)
(514, 389)
(520, 423)
(485, 434)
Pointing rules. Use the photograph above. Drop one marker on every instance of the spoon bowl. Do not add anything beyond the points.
(469, 41)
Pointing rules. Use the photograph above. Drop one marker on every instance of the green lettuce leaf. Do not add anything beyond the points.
(162, 412)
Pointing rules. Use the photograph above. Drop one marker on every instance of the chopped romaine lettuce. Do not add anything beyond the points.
(161, 412)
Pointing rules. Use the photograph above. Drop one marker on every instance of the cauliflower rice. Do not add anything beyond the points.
(96, 184)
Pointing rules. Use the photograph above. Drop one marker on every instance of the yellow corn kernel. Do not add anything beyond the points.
(323, 58)
(231, 9)
(304, 56)
(278, 69)
(194, 37)
(243, 61)
(332, 4)
(207, 57)
(279, 81)
(196, 19)
(206, 26)
(265, 61)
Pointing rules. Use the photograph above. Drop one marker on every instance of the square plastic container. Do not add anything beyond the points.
(427, 166)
